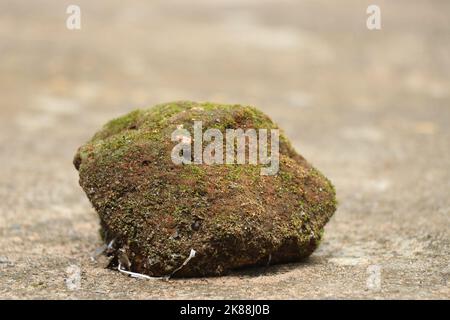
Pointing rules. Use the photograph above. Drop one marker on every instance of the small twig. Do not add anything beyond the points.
(143, 276)
(102, 249)
(191, 255)
(269, 260)
(137, 275)
(98, 252)
(110, 244)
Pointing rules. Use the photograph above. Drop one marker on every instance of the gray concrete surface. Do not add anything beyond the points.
(369, 108)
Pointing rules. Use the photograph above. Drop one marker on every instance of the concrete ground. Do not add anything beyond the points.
(370, 109)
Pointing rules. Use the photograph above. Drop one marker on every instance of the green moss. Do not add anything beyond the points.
(230, 214)
(160, 114)
(234, 172)
(126, 122)
(286, 176)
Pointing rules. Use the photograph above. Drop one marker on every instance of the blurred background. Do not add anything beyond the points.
(370, 109)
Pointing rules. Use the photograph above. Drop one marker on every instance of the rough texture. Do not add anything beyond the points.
(156, 211)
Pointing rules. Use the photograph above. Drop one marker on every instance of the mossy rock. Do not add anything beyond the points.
(157, 211)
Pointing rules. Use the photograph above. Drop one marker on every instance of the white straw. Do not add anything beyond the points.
(143, 276)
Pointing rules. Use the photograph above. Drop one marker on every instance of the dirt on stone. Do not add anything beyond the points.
(154, 212)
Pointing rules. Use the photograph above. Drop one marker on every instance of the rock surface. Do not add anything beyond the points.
(231, 215)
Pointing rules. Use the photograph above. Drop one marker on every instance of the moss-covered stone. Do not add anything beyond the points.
(229, 214)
